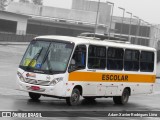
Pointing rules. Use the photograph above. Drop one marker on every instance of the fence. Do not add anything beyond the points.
(12, 37)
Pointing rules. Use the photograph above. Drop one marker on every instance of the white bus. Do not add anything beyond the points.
(70, 67)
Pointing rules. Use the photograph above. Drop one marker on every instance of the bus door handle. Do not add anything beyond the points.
(92, 70)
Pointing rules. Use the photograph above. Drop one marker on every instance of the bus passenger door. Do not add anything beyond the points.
(79, 72)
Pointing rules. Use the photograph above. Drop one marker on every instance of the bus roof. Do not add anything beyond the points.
(89, 40)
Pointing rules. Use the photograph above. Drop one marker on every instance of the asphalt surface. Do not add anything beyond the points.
(14, 100)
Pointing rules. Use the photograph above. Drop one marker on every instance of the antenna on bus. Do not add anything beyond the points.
(96, 18)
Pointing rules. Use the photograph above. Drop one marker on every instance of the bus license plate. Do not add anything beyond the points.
(35, 88)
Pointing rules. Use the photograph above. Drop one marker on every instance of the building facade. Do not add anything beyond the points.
(27, 18)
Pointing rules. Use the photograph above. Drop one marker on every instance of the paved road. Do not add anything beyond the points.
(14, 101)
(20, 102)
(11, 99)
(10, 57)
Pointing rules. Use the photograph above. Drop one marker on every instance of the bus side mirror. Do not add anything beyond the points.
(72, 67)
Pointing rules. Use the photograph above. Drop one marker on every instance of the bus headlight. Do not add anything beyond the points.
(56, 80)
(21, 77)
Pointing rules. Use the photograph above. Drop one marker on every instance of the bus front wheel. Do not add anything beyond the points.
(74, 99)
(34, 96)
(121, 100)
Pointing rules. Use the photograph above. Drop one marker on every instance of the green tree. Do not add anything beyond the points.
(24, 1)
(38, 2)
(3, 4)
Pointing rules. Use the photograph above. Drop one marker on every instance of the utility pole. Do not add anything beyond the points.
(122, 21)
(130, 27)
(96, 23)
(110, 25)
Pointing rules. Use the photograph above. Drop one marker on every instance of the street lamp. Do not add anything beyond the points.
(147, 33)
(147, 30)
(136, 34)
(150, 30)
(110, 25)
(141, 28)
(156, 36)
(122, 20)
(96, 18)
(129, 37)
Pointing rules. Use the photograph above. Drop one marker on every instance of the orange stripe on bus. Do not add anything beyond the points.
(110, 77)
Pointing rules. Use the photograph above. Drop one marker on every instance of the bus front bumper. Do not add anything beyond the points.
(44, 90)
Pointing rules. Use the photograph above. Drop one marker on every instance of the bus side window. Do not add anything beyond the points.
(96, 57)
(79, 57)
(131, 60)
(147, 61)
(115, 58)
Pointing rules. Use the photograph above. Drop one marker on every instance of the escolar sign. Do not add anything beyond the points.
(115, 77)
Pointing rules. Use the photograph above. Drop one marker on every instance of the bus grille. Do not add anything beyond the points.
(37, 82)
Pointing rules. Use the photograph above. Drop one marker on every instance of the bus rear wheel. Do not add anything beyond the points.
(121, 100)
(34, 96)
(74, 99)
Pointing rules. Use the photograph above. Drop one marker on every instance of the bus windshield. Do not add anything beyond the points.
(46, 56)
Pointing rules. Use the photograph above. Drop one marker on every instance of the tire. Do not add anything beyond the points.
(122, 100)
(74, 99)
(34, 96)
(89, 98)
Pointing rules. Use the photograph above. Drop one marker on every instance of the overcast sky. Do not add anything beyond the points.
(148, 10)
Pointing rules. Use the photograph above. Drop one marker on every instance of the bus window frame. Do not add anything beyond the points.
(102, 58)
(139, 52)
(72, 68)
(122, 58)
(153, 61)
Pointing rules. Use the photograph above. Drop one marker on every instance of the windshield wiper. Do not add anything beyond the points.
(35, 57)
(48, 63)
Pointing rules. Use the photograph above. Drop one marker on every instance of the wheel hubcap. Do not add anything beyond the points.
(74, 97)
